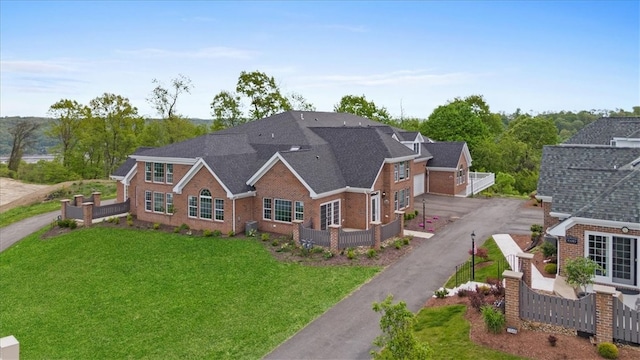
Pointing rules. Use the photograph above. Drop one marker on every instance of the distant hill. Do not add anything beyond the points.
(43, 143)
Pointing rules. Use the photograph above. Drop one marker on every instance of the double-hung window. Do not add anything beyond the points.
(401, 171)
(147, 171)
(147, 200)
(299, 210)
(158, 172)
(282, 210)
(219, 203)
(158, 202)
(266, 209)
(169, 175)
(193, 206)
(169, 202)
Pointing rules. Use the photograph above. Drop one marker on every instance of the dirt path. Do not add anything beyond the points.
(12, 190)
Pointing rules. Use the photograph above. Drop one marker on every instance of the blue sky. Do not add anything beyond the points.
(537, 56)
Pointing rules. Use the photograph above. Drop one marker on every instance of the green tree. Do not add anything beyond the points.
(534, 131)
(226, 109)
(581, 271)
(66, 127)
(492, 121)
(22, 136)
(398, 336)
(299, 102)
(113, 128)
(264, 94)
(172, 127)
(456, 121)
(359, 105)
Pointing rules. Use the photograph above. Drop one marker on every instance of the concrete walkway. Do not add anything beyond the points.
(11, 234)
(509, 248)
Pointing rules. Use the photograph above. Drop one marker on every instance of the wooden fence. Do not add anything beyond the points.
(111, 209)
(74, 212)
(391, 229)
(626, 323)
(349, 239)
(317, 237)
(550, 309)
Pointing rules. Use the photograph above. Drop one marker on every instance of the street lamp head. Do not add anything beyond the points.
(473, 235)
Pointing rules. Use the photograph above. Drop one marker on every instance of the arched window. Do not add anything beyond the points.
(205, 204)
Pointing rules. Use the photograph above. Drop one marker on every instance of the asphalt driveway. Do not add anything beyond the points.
(347, 330)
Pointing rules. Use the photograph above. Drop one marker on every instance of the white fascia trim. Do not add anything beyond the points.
(199, 164)
(441, 168)
(166, 160)
(342, 190)
(271, 163)
(467, 154)
(377, 176)
(394, 137)
(398, 159)
(424, 159)
(544, 198)
(419, 138)
(243, 195)
(127, 178)
(116, 178)
(561, 229)
(559, 214)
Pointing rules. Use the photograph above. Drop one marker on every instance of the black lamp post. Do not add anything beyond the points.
(424, 224)
(473, 256)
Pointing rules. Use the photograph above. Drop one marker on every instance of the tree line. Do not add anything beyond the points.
(92, 140)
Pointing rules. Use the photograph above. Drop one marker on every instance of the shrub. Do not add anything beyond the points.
(68, 223)
(264, 236)
(397, 244)
(351, 254)
(207, 233)
(476, 299)
(252, 233)
(552, 340)
(327, 254)
(581, 271)
(184, 226)
(217, 233)
(406, 240)
(484, 289)
(116, 220)
(231, 233)
(415, 213)
(176, 229)
(441, 293)
(493, 318)
(130, 222)
(536, 228)
(535, 235)
(497, 289)
(463, 292)
(608, 350)
(129, 217)
(372, 253)
(482, 253)
(548, 249)
(156, 226)
(551, 268)
(275, 242)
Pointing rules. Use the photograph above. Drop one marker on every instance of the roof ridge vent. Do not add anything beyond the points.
(272, 135)
(344, 123)
(301, 116)
(294, 148)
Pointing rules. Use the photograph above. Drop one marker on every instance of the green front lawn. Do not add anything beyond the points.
(113, 293)
(446, 331)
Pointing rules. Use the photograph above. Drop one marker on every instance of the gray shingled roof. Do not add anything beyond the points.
(591, 181)
(124, 169)
(445, 154)
(603, 130)
(334, 150)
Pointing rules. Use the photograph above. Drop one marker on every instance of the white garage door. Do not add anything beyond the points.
(418, 185)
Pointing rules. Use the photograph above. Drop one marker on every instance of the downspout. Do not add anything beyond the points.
(427, 179)
(366, 209)
(233, 222)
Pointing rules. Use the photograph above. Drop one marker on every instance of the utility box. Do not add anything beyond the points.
(9, 348)
(250, 226)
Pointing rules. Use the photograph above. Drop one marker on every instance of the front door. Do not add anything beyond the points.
(375, 207)
(624, 260)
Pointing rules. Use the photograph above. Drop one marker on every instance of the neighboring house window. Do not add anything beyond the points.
(193, 206)
(169, 203)
(169, 174)
(219, 209)
(299, 210)
(147, 171)
(461, 177)
(401, 171)
(158, 202)
(205, 204)
(282, 210)
(158, 172)
(329, 214)
(266, 209)
(147, 200)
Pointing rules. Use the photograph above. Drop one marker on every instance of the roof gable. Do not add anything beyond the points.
(603, 130)
(447, 154)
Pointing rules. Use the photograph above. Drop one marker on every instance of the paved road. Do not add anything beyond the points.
(347, 330)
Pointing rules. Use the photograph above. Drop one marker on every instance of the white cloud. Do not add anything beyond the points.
(401, 77)
(218, 52)
(34, 66)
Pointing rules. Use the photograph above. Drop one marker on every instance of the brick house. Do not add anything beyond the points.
(318, 167)
(590, 192)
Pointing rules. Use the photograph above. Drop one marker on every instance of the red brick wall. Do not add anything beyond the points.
(356, 206)
(461, 188)
(549, 221)
(280, 183)
(442, 182)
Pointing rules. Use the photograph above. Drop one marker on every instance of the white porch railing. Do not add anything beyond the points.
(478, 181)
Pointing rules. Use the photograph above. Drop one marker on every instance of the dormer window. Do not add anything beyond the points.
(416, 147)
